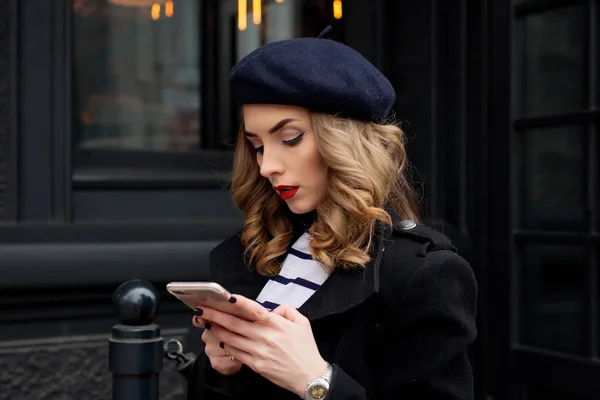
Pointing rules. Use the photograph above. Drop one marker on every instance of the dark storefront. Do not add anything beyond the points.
(116, 132)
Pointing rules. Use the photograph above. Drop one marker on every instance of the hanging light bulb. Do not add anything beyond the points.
(337, 9)
(155, 11)
(242, 15)
(256, 11)
(135, 3)
(169, 8)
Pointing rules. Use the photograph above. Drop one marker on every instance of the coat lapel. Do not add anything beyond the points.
(230, 271)
(342, 291)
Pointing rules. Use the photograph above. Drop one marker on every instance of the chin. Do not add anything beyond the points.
(300, 208)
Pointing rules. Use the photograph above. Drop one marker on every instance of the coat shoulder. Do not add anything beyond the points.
(229, 252)
(414, 249)
(231, 243)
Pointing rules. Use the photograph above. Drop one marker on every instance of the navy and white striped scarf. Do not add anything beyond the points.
(300, 277)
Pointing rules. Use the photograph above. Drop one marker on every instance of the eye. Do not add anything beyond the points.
(259, 150)
(294, 141)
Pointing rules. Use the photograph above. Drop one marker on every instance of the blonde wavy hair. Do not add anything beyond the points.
(366, 175)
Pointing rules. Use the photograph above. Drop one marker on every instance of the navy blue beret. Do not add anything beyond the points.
(319, 74)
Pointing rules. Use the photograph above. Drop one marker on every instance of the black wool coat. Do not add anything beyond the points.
(399, 329)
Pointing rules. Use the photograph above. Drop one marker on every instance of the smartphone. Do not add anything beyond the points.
(209, 294)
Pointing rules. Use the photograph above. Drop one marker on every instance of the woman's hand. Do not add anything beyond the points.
(281, 347)
(219, 358)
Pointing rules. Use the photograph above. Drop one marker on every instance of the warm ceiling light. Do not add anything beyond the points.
(278, 1)
(169, 8)
(256, 11)
(135, 3)
(242, 15)
(155, 11)
(337, 9)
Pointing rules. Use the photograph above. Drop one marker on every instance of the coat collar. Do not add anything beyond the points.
(342, 291)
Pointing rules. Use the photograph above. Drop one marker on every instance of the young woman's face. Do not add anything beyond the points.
(287, 153)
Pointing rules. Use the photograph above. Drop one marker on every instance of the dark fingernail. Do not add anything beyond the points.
(222, 345)
(198, 312)
(208, 325)
(232, 299)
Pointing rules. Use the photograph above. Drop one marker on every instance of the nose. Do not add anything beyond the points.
(270, 164)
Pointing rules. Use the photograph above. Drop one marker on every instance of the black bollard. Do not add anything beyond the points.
(136, 347)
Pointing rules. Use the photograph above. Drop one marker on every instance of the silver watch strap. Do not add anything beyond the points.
(328, 374)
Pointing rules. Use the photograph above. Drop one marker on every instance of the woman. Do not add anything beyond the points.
(353, 299)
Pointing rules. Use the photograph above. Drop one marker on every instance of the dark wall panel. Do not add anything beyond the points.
(89, 264)
(8, 123)
(152, 205)
(410, 41)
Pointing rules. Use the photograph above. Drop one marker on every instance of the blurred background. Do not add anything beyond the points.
(116, 138)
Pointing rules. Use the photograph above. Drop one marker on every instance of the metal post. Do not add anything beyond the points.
(136, 346)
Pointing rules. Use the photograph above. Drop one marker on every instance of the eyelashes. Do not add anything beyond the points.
(292, 142)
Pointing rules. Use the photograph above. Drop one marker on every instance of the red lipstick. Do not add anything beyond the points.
(286, 192)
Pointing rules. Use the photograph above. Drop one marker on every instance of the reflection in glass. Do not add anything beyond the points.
(553, 181)
(553, 298)
(551, 49)
(280, 20)
(136, 74)
(283, 20)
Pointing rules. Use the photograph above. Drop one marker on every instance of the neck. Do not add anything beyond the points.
(302, 222)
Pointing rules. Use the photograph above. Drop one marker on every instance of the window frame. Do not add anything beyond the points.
(530, 365)
(100, 168)
(45, 181)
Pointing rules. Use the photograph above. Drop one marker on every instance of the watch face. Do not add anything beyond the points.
(318, 391)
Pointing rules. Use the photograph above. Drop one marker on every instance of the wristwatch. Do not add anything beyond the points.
(318, 389)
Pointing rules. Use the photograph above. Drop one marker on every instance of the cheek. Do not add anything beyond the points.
(319, 171)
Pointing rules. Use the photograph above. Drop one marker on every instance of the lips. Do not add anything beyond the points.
(286, 192)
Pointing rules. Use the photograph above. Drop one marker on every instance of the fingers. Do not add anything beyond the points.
(222, 335)
(198, 322)
(201, 323)
(250, 309)
(222, 360)
(239, 355)
(288, 312)
(208, 337)
(217, 337)
(229, 322)
(257, 311)
(213, 350)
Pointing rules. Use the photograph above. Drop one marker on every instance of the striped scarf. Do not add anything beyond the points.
(299, 278)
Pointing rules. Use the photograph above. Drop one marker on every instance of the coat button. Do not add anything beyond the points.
(408, 224)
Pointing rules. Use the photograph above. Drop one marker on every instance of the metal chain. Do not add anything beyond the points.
(173, 350)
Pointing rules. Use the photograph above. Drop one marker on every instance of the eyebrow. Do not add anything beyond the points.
(275, 127)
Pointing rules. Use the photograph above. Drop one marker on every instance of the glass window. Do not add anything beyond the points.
(278, 21)
(284, 19)
(242, 30)
(551, 60)
(136, 74)
(553, 180)
(553, 298)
